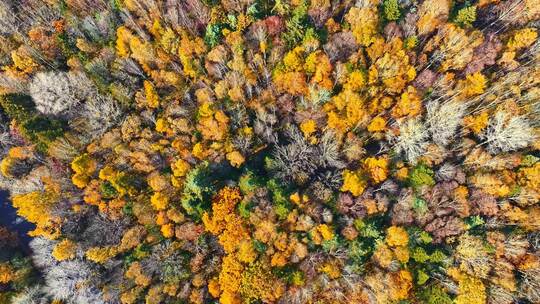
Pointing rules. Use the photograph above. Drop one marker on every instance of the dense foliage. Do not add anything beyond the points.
(260, 151)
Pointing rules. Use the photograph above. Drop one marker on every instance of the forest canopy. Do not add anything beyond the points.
(271, 151)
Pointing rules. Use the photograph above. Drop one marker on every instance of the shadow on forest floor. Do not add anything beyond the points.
(9, 219)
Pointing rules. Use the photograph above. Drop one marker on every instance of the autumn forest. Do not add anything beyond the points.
(270, 151)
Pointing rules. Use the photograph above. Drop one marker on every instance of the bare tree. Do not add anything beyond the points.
(73, 282)
(41, 252)
(530, 285)
(102, 113)
(412, 139)
(55, 93)
(506, 133)
(443, 119)
(31, 295)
